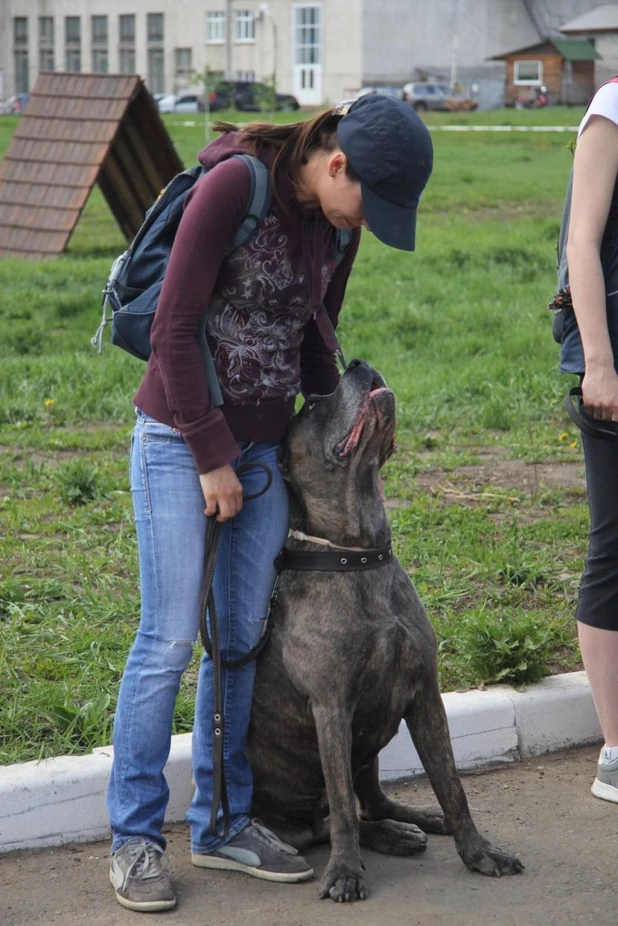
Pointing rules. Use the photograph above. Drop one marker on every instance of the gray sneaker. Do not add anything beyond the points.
(139, 879)
(258, 852)
(605, 784)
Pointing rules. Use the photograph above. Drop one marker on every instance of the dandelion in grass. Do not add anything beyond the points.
(564, 435)
(49, 403)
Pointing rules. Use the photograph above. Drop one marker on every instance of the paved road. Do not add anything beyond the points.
(541, 809)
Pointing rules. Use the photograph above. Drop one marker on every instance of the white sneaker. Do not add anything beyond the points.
(605, 785)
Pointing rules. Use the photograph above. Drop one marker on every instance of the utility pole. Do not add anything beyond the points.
(454, 61)
(265, 13)
(455, 44)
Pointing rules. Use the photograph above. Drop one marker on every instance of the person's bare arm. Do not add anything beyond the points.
(594, 176)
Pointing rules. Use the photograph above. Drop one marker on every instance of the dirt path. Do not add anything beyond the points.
(541, 809)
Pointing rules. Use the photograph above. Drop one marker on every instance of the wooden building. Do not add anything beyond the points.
(564, 66)
(78, 130)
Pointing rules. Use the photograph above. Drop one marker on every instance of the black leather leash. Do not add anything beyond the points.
(213, 649)
(593, 427)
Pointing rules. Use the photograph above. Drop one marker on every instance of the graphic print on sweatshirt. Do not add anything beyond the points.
(261, 305)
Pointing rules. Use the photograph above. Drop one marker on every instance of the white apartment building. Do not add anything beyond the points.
(320, 51)
(168, 41)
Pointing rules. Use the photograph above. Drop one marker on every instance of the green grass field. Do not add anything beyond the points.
(461, 332)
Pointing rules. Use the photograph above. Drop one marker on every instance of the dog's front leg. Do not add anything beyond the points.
(428, 727)
(343, 879)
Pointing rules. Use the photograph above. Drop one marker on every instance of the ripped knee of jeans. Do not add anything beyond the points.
(179, 653)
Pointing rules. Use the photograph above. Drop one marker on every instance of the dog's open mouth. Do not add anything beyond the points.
(345, 447)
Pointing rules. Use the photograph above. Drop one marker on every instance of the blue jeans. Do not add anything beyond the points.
(171, 527)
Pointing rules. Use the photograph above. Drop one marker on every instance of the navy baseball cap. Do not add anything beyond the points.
(389, 147)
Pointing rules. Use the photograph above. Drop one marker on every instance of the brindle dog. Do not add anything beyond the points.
(351, 654)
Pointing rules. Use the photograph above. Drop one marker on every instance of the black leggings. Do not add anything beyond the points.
(598, 594)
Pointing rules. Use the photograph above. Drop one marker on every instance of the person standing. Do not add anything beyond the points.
(590, 349)
(362, 164)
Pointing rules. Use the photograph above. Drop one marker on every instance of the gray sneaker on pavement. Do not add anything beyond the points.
(140, 882)
(258, 852)
(605, 784)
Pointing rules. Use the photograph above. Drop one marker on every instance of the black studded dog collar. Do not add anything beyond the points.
(334, 560)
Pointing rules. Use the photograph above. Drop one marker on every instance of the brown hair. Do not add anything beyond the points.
(293, 142)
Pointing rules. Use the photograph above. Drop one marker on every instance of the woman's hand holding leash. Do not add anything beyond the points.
(600, 391)
(222, 492)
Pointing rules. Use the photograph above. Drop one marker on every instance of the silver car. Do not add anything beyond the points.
(423, 96)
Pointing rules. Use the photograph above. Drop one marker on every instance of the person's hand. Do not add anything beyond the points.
(222, 492)
(600, 391)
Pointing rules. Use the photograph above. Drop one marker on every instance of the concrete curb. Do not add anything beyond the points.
(62, 800)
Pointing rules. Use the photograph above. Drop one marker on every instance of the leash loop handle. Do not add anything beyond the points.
(593, 427)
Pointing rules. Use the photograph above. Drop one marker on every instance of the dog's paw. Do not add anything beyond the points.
(490, 860)
(392, 837)
(343, 884)
(432, 820)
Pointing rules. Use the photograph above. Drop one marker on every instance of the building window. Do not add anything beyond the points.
(20, 54)
(245, 26)
(155, 28)
(99, 44)
(156, 59)
(72, 44)
(99, 61)
(46, 59)
(99, 30)
(127, 29)
(156, 74)
(528, 73)
(22, 77)
(46, 43)
(215, 27)
(20, 30)
(46, 30)
(127, 61)
(183, 59)
(307, 39)
(126, 50)
(245, 76)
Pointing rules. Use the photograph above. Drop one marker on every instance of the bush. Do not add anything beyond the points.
(78, 483)
(508, 648)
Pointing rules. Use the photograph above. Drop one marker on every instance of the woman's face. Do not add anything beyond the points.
(340, 198)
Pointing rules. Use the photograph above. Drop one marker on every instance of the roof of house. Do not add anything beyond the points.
(601, 19)
(78, 129)
(571, 49)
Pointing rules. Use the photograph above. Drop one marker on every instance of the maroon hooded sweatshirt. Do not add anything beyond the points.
(263, 325)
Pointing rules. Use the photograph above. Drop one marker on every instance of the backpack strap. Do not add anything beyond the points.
(259, 201)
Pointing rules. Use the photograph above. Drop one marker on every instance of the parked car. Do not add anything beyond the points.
(249, 96)
(424, 96)
(14, 105)
(396, 92)
(181, 103)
